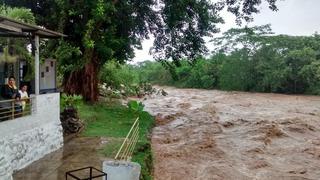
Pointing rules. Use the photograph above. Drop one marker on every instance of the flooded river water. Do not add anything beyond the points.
(209, 134)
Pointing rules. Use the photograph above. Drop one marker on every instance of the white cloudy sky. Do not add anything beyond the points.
(295, 17)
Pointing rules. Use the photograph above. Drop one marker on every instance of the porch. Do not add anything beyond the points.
(28, 135)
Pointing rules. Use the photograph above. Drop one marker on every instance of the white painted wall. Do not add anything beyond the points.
(48, 81)
(27, 139)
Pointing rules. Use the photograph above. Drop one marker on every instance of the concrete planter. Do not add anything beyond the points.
(121, 170)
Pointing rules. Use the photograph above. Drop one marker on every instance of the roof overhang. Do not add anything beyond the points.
(13, 28)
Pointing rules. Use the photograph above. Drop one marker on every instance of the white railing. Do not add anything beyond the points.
(127, 148)
(11, 109)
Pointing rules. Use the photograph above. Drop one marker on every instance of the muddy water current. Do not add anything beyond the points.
(209, 134)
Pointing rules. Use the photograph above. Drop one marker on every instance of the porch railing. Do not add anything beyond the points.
(11, 109)
(127, 148)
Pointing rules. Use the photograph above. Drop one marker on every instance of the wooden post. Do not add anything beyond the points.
(12, 109)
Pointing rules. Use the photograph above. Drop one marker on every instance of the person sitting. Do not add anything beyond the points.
(11, 92)
(23, 96)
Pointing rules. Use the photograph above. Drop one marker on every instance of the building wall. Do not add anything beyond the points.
(48, 74)
(27, 139)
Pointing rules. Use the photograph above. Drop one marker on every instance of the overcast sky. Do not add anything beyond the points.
(295, 17)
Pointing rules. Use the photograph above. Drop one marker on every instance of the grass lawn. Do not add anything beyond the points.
(114, 121)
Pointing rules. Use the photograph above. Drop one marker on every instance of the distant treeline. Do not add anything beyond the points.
(248, 59)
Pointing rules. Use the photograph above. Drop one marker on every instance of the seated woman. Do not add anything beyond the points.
(10, 91)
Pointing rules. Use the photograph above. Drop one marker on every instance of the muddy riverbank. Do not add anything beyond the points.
(202, 134)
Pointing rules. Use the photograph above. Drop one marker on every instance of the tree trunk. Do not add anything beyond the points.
(84, 81)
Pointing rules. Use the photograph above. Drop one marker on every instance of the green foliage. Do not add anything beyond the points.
(135, 106)
(295, 62)
(235, 73)
(153, 72)
(121, 81)
(117, 76)
(311, 75)
(17, 46)
(143, 155)
(203, 74)
(248, 59)
(70, 101)
(247, 38)
(68, 56)
(20, 14)
(268, 67)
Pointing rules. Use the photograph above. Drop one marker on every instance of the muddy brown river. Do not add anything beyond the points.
(209, 134)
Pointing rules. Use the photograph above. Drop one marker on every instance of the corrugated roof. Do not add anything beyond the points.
(13, 28)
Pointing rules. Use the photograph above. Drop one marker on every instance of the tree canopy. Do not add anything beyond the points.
(16, 48)
(250, 59)
(102, 30)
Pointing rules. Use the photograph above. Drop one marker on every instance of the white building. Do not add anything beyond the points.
(30, 136)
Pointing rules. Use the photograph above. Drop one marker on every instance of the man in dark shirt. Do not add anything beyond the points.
(11, 91)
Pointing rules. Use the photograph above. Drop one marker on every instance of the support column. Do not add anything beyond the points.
(37, 66)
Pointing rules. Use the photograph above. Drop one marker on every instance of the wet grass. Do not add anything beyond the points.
(114, 120)
(112, 148)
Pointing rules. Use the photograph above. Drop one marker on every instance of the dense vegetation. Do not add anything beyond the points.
(247, 59)
(103, 30)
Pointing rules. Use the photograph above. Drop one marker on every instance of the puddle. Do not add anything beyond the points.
(76, 153)
(209, 134)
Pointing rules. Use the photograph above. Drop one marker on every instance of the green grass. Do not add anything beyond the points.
(114, 121)
(112, 148)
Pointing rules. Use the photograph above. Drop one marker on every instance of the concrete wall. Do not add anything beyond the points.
(27, 139)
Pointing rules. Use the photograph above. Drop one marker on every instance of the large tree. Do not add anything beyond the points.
(101, 30)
